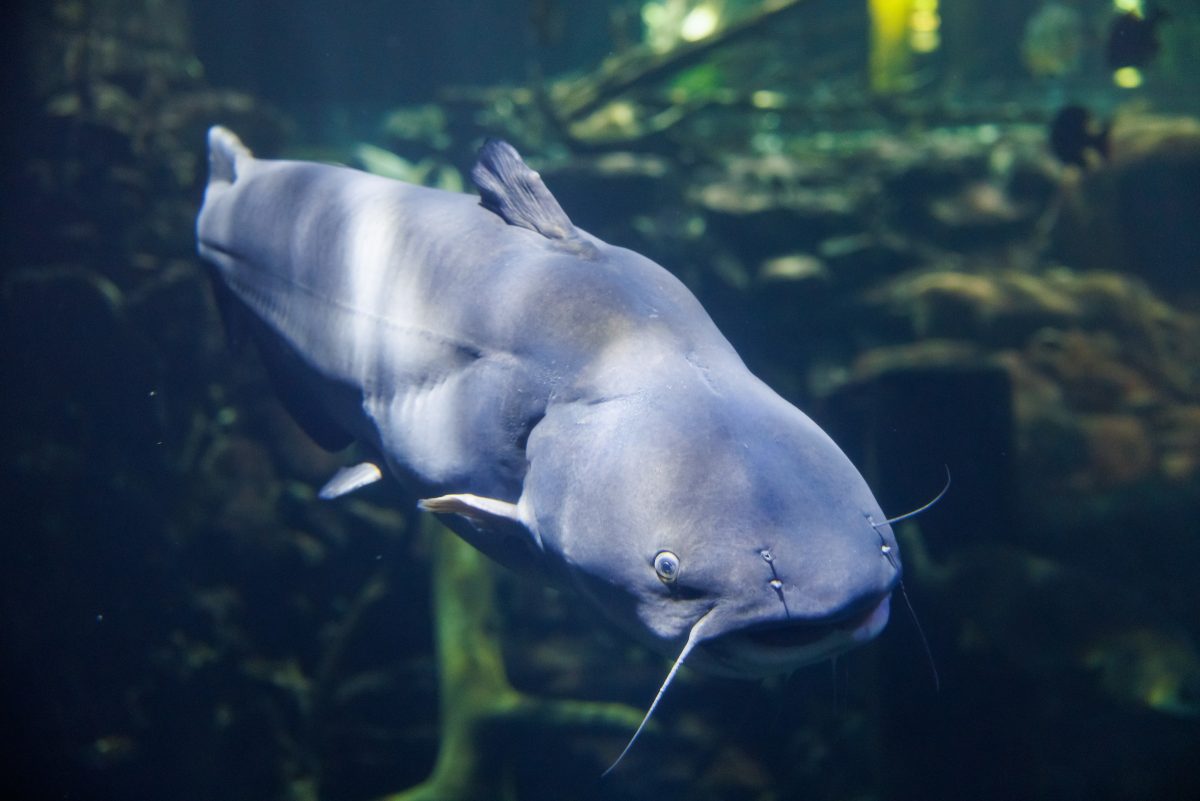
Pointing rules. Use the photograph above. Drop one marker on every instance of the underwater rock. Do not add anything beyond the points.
(914, 413)
(1179, 443)
(771, 205)
(979, 210)
(961, 206)
(1119, 449)
(1141, 210)
(1035, 395)
(945, 354)
(241, 485)
(108, 164)
(856, 261)
(1103, 386)
(1062, 623)
(610, 188)
(1090, 370)
(999, 308)
(793, 268)
(75, 372)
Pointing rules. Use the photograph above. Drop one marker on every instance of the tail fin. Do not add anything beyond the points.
(225, 151)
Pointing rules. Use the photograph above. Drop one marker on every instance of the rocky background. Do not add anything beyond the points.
(181, 618)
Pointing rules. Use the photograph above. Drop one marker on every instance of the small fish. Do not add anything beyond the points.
(1077, 138)
(1133, 38)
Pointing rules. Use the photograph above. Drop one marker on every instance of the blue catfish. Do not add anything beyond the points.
(566, 405)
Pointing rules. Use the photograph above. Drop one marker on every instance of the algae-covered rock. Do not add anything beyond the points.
(1060, 623)
(1141, 209)
(770, 205)
(997, 307)
(1179, 444)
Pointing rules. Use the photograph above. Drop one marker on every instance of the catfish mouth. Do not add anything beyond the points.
(800, 633)
(780, 646)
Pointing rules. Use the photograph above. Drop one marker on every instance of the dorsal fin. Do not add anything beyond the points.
(509, 188)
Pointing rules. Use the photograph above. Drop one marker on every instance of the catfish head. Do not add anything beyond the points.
(739, 525)
(716, 525)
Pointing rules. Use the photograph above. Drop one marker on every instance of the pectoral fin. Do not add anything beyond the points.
(349, 479)
(473, 507)
(498, 528)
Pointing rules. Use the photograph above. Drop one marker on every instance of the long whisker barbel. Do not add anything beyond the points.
(937, 681)
(692, 640)
(915, 512)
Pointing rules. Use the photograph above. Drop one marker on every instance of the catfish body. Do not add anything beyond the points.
(567, 405)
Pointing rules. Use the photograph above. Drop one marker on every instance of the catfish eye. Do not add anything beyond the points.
(666, 565)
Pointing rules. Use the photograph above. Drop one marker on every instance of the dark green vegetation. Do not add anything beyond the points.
(181, 618)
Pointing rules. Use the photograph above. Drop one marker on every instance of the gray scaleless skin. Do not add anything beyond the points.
(565, 405)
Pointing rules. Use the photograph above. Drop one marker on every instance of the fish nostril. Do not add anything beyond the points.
(889, 554)
(777, 585)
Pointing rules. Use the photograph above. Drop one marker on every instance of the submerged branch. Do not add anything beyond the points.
(643, 65)
(481, 711)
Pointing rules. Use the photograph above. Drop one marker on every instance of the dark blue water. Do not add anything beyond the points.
(896, 249)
